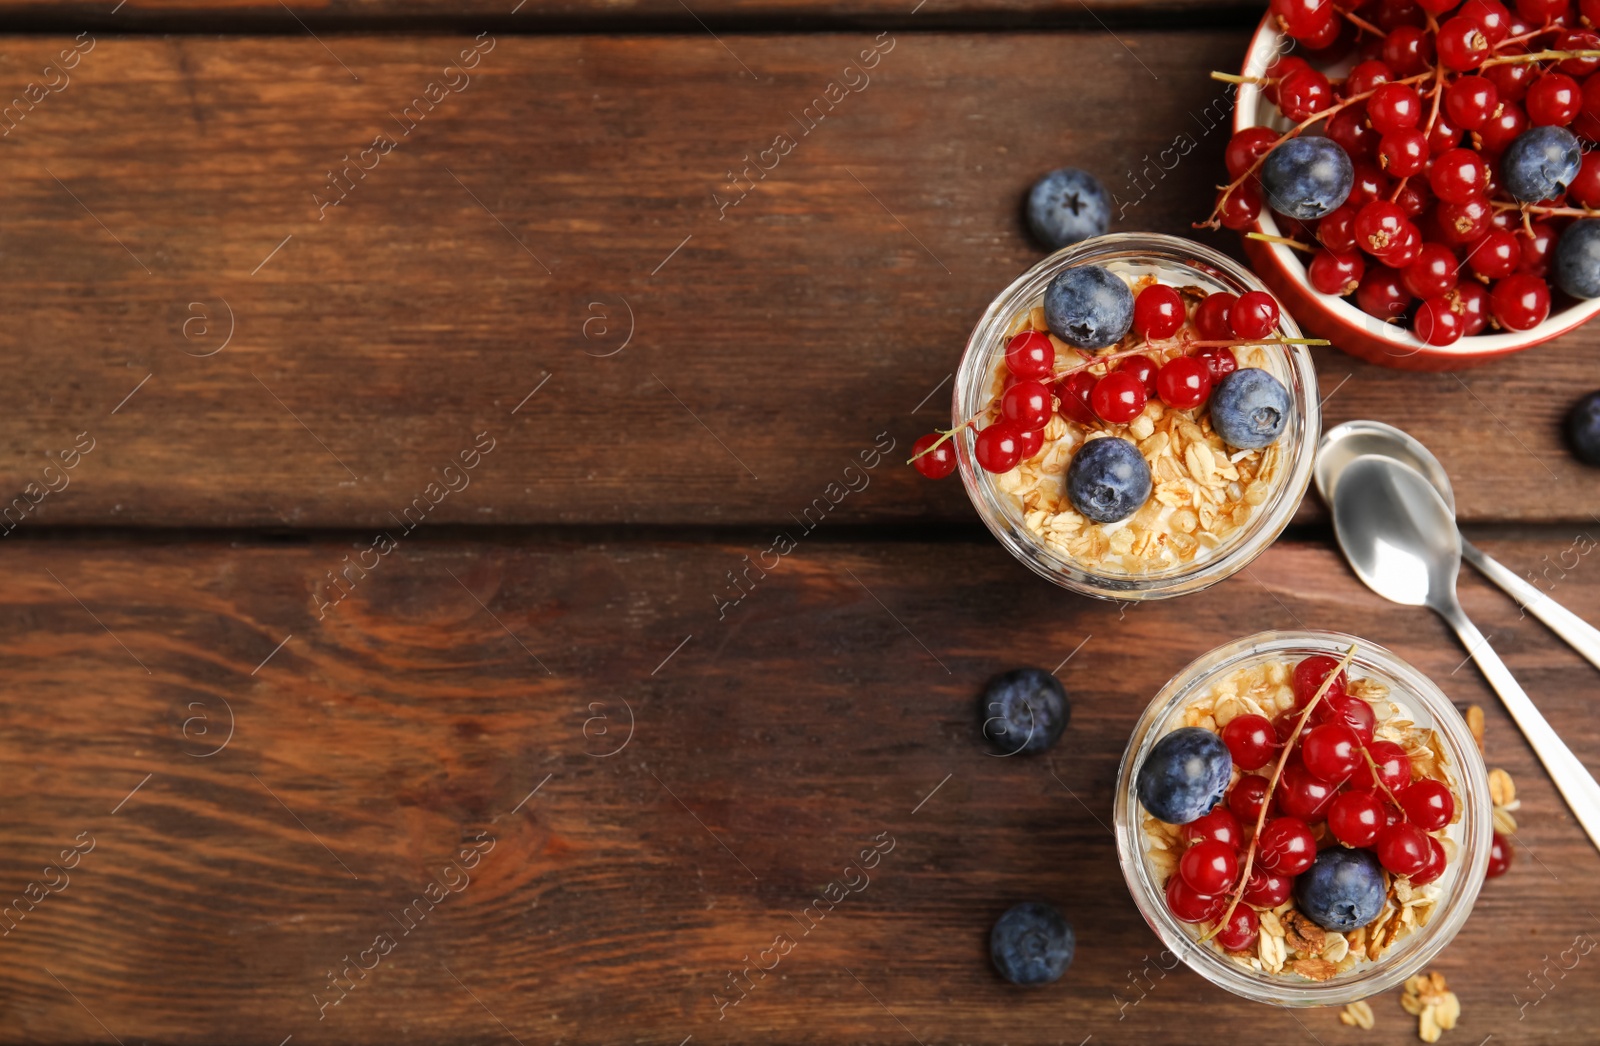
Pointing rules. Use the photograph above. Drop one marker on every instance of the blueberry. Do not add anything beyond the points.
(1250, 408)
(1031, 944)
(1583, 429)
(1577, 261)
(1307, 177)
(1024, 711)
(1342, 890)
(1068, 205)
(1540, 163)
(1185, 775)
(1088, 306)
(1108, 479)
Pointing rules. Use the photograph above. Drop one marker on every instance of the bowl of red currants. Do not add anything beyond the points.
(1303, 818)
(1412, 176)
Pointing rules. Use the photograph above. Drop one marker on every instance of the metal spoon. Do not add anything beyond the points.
(1344, 443)
(1401, 540)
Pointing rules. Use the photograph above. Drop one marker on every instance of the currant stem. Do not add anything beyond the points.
(1362, 24)
(1534, 208)
(944, 436)
(1296, 244)
(1537, 56)
(1231, 78)
(1272, 786)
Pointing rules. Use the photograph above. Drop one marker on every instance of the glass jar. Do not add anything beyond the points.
(1182, 263)
(1472, 833)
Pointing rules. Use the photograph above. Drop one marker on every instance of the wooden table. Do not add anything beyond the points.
(534, 742)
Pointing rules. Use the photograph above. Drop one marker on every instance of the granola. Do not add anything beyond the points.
(1204, 493)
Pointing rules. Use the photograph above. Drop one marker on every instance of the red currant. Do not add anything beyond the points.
(1405, 249)
(1457, 176)
(1494, 255)
(1266, 889)
(1540, 11)
(1190, 907)
(1591, 96)
(1245, 798)
(1520, 302)
(1220, 825)
(1407, 50)
(1349, 128)
(1578, 40)
(1028, 443)
(1436, 323)
(1158, 310)
(1211, 318)
(1428, 803)
(1349, 710)
(1435, 866)
(1434, 272)
(1461, 223)
(1378, 225)
(1209, 867)
(996, 447)
(1356, 818)
(1491, 16)
(1074, 391)
(1394, 107)
(1535, 257)
(1240, 207)
(1553, 100)
(1470, 101)
(1394, 13)
(1250, 741)
(1118, 397)
(1254, 315)
(1366, 76)
(1027, 405)
(1332, 752)
(1499, 857)
(1370, 183)
(1219, 360)
(1278, 71)
(1394, 768)
(1243, 927)
(1183, 382)
(1244, 149)
(1301, 18)
(1144, 369)
(1333, 272)
(1322, 40)
(1403, 848)
(1287, 846)
(1311, 673)
(1336, 230)
(1502, 127)
(1381, 294)
(1304, 93)
(1444, 135)
(1462, 44)
(1304, 795)
(937, 463)
(1585, 188)
(1403, 153)
(1471, 302)
(1512, 79)
(1030, 354)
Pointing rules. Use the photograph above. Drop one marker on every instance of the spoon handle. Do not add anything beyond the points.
(1571, 777)
(1578, 633)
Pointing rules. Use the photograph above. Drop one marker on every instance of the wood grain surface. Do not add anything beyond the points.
(553, 223)
(658, 807)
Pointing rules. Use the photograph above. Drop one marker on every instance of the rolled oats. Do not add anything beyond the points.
(1358, 1015)
(1428, 998)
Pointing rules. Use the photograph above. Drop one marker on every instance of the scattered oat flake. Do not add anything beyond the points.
(1358, 1015)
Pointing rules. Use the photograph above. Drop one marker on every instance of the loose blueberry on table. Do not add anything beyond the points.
(1066, 206)
(1443, 182)
(1133, 423)
(1356, 832)
(1031, 944)
(1023, 711)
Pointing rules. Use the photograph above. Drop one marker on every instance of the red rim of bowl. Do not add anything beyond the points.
(1335, 311)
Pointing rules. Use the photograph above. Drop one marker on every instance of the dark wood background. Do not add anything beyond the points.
(542, 259)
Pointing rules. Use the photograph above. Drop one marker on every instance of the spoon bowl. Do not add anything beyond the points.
(1344, 443)
(1397, 532)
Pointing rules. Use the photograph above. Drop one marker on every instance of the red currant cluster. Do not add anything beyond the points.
(1336, 773)
(1035, 391)
(1424, 115)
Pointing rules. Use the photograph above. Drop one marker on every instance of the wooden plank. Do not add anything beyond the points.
(631, 869)
(556, 225)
